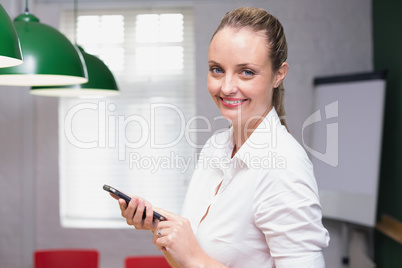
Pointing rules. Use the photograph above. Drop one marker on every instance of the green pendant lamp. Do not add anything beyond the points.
(49, 57)
(101, 82)
(10, 49)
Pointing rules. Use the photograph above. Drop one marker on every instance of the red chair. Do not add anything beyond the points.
(66, 258)
(146, 262)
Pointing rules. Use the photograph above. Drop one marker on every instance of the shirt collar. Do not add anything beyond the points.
(261, 141)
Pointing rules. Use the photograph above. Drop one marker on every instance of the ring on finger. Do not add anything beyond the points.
(158, 233)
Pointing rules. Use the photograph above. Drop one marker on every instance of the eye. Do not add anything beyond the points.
(216, 70)
(248, 73)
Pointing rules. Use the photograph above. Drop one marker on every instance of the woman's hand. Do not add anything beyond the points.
(134, 210)
(175, 236)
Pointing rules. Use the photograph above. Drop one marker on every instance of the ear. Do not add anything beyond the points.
(281, 73)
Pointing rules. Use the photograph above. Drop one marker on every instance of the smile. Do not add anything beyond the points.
(232, 102)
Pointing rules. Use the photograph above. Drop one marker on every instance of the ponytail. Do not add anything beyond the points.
(278, 101)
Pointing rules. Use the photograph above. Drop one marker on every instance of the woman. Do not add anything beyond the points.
(252, 201)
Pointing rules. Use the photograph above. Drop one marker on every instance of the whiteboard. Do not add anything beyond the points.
(343, 137)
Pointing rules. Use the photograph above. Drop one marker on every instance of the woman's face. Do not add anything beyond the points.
(240, 78)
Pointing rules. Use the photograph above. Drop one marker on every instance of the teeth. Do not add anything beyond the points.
(232, 102)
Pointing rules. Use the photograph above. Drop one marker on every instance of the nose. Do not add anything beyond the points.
(229, 85)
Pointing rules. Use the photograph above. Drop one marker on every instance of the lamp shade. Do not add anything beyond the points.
(101, 82)
(49, 57)
(10, 49)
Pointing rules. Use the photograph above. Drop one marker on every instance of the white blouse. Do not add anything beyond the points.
(266, 212)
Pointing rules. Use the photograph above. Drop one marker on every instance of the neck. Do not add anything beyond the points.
(243, 130)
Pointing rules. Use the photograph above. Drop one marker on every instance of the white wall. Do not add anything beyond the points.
(324, 37)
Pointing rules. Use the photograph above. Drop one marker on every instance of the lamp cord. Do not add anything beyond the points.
(75, 21)
(26, 6)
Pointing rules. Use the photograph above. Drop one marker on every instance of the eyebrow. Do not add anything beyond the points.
(245, 64)
(239, 65)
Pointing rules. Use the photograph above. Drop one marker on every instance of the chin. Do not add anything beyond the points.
(229, 114)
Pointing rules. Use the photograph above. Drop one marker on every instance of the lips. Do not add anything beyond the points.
(232, 102)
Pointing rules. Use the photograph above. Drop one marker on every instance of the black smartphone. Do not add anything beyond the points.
(126, 198)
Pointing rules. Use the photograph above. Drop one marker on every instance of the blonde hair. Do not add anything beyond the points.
(260, 20)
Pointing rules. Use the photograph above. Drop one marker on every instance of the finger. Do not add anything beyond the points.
(164, 230)
(165, 224)
(122, 203)
(115, 197)
(139, 213)
(123, 206)
(148, 222)
(162, 243)
(158, 234)
(130, 211)
(168, 215)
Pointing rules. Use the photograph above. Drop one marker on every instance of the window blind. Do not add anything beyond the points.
(135, 142)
